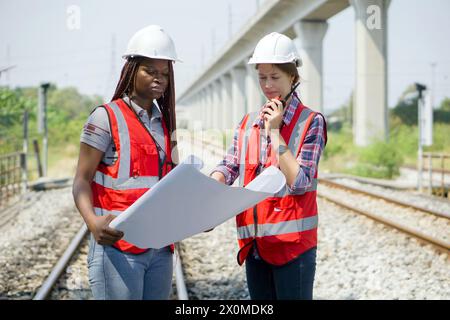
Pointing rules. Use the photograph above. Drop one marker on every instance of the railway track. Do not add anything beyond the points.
(189, 286)
(49, 289)
(425, 170)
(398, 202)
(22, 202)
(439, 242)
(45, 290)
(7, 214)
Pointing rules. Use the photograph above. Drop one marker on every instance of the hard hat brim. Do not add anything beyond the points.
(274, 61)
(130, 55)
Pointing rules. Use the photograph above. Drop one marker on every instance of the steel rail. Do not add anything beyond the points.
(439, 244)
(385, 198)
(44, 291)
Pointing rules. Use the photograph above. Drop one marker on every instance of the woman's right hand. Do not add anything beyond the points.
(103, 234)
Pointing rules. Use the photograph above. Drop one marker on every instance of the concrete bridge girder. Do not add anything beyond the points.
(232, 86)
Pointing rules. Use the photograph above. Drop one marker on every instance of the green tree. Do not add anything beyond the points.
(445, 105)
(12, 108)
(67, 110)
(406, 109)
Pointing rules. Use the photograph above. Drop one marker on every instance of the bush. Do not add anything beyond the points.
(339, 142)
(379, 160)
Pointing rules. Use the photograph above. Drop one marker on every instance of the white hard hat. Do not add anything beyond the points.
(275, 48)
(152, 42)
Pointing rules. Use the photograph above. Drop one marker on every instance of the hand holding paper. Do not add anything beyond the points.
(186, 202)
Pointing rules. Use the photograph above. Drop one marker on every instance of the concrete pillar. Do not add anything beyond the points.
(252, 89)
(209, 101)
(255, 97)
(226, 104)
(238, 75)
(216, 105)
(309, 41)
(204, 107)
(194, 111)
(191, 112)
(370, 98)
(199, 109)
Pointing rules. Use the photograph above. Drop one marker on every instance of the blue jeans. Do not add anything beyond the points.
(114, 275)
(292, 281)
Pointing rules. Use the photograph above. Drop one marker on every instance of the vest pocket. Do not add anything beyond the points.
(286, 202)
(282, 209)
(148, 160)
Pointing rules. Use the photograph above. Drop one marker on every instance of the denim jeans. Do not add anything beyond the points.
(114, 275)
(292, 281)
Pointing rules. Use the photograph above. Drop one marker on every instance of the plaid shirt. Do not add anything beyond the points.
(308, 158)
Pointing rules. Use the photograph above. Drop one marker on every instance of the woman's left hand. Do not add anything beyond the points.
(273, 114)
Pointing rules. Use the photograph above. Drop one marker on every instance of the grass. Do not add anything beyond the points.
(381, 159)
(62, 161)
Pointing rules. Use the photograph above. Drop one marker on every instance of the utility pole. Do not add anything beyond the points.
(202, 56)
(433, 83)
(112, 69)
(213, 42)
(6, 72)
(230, 21)
(23, 162)
(8, 62)
(420, 102)
(42, 122)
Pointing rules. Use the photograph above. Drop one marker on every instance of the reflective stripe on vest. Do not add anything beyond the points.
(275, 229)
(128, 183)
(124, 138)
(104, 212)
(297, 131)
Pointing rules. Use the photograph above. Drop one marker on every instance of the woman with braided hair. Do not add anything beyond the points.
(125, 149)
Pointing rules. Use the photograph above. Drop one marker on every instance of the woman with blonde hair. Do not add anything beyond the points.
(278, 236)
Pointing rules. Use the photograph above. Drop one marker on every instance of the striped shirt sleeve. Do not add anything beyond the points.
(309, 156)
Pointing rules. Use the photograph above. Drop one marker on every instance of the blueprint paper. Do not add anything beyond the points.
(186, 202)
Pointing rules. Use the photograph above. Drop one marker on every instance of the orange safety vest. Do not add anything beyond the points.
(283, 226)
(137, 169)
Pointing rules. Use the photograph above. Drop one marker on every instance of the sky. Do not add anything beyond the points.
(47, 44)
